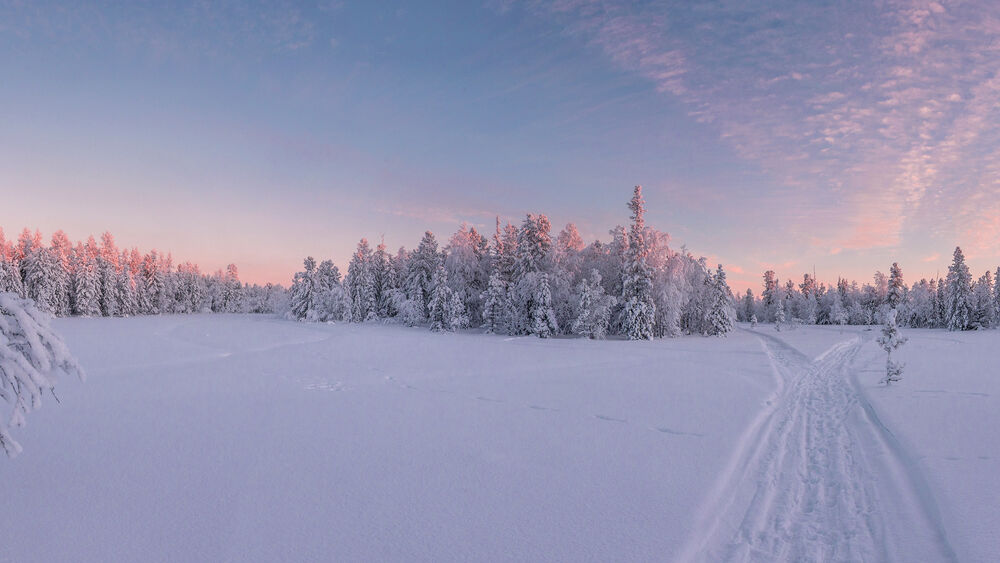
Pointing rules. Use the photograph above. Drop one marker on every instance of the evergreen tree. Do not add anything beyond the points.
(32, 357)
(889, 341)
(637, 280)
(982, 301)
(958, 293)
(40, 281)
(62, 249)
(594, 309)
(779, 314)
(495, 304)
(996, 298)
(896, 294)
(232, 291)
(418, 287)
(86, 285)
(360, 284)
(748, 305)
(302, 298)
(10, 278)
(440, 300)
(721, 314)
(770, 295)
(543, 318)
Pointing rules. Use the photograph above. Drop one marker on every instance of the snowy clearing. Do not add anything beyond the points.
(218, 437)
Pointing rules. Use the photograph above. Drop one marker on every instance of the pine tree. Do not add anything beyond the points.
(637, 280)
(982, 301)
(748, 305)
(779, 314)
(769, 296)
(721, 313)
(890, 340)
(959, 290)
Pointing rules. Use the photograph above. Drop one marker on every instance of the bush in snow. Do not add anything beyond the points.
(753, 321)
(31, 358)
(891, 340)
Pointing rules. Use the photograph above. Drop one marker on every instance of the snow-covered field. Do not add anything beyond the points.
(234, 438)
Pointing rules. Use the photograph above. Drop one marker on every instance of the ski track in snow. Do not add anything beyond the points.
(817, 477)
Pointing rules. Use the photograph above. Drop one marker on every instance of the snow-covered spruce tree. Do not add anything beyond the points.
(747, 306)
(360, 284)
(32, 357)
(302, 295)
(128, 306)
(385, 282)
(721, 315)
(958, 294)
(418, 285)
(456, 316)
(40, 282)
(533, 260)
(637, 280)
(10, 278)
(440, 300)
(62, 249)
(982, 302)
(232, 291)
(86, 285)
(108, 298)
(996, 299)
(543, 318)
(769, 297)
(779, 313)
(594, 309)
(890, 340)
(753, 321)
(495, 304)
(896, 294)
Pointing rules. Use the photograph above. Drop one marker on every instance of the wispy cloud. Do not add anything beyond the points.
(868, 111)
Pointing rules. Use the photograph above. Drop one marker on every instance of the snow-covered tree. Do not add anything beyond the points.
(447, 312)
(769, 297)
(779, 314)
(996, 298)
(722, 313)
(41, 270)
(496, 305)
(232, 291)
(303, 293)
(637, 280)
(982, 302)
(896, 293)
(418, 286)
(32, 357)
(958, 294)
(594, 309)
(890, 340)
(10, 277)
(62, 249)
(542, 322)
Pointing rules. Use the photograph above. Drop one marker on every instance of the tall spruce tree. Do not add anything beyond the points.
(958, 293)
(637, 281)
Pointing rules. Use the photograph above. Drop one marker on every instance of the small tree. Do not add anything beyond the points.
(779, 315)
(890, 340)
(595, 308)
(32, 356)
(753, 321)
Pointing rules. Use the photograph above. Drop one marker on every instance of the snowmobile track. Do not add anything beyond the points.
(817, 476)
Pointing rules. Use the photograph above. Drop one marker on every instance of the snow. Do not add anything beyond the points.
(230, 437)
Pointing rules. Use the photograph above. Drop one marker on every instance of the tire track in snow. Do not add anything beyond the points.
(816, 476)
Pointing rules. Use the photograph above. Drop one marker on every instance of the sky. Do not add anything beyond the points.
(796, 136)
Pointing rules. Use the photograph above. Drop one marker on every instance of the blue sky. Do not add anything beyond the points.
(840, 135)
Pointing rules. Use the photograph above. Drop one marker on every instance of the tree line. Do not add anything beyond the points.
(524, 282)
(97, 279)
(955, 302)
